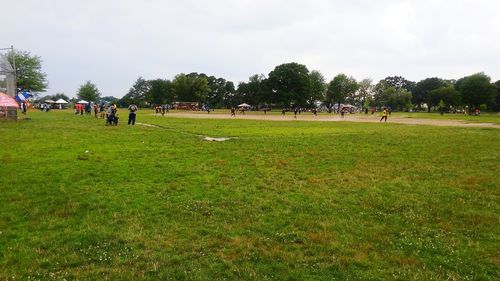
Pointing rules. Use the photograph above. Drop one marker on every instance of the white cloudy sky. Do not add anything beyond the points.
(113, 42)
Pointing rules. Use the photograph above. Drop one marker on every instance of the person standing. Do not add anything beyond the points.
(102, 109)
(88, 108)
(384, 115)
(95, 109)
(233, 112)
(23, 107)
(110, 116)
(131, 115)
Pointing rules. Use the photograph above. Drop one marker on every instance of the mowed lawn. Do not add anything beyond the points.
(282, 201)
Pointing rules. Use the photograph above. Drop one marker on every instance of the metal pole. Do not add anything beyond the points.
(14, 66)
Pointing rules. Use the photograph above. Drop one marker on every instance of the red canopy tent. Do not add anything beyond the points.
(8, 107)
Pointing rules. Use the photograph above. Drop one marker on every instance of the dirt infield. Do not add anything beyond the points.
(332, 118)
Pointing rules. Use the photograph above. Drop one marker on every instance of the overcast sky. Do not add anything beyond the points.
(112, 43)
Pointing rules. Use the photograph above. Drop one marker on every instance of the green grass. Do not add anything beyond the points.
(284, 201)
(493, 118)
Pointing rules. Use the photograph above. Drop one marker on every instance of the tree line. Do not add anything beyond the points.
(287, 85)
(293, 85)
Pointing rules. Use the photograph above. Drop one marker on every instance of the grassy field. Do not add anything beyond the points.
(281, 201)
(493, 118)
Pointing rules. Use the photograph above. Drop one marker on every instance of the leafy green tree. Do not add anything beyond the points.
(58, 96)
(497, 98)
(88, 92)
(399, 82)
(387, 95)
(251, 92)
(442, 107)
(137, 93)
(318, 88)
(229, 92)
(189, 88)
(111, 99)
(422, 89)
(29, 72)
(289, 84)
(365, 91)
(477, 89)
(220, 89)
(340, 88)
(160, 92)
(448, 95)
(53, 97)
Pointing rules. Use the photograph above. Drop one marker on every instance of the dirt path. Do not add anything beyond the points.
(333, 118)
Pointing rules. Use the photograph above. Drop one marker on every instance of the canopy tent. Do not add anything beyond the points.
(7, 101)
(82, 101)
(8, 107)
(49, 101)
(61, 101)
(244, 105)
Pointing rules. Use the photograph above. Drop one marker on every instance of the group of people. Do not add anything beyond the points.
(314, 111)
(112, 114)
(80, 107)
(162, 109)
(233, 111)
(88, 108)
(107, 112)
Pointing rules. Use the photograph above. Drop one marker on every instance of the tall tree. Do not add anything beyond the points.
(112, 100)
(476, 90)
(289, 84)
(422, 89)
(88, 92)
(29, 72)
(399, 82)
(447, 95)
(137, 93)
(340, 88)
(364, 93)
(318, 88)
(219, 90)
(58, 96)
(160, 92)
(252, 92)
(229, 92)
(387, 95)
(190, 88)
(497, 98)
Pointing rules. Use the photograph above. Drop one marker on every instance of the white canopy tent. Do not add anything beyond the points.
(246, 105)
(61, 101)
(49, 101)
(82, 101)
